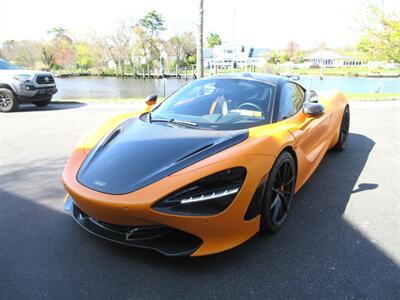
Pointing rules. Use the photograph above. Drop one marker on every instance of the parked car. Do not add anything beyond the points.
(24, 86)
(206, 169)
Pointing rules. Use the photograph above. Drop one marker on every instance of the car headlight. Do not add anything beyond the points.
(22, 78)
(207, 196)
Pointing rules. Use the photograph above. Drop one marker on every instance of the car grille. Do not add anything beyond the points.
(44, 79)
(167, 240)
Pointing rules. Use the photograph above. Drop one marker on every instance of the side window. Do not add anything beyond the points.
(300, 95)
(291, 99)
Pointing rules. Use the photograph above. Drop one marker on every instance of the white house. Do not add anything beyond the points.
(328, 58)
(234, 56)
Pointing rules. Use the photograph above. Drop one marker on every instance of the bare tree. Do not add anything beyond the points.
(120, 46)
(25, 52)
(199, 35)
(292, 48)
(181, 45)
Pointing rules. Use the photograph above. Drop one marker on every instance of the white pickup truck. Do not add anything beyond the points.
(24, 86)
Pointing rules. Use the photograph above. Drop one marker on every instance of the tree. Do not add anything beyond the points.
(142, 52)
(25, 53)
(120, 47)
(183, 46)
(277, 57)
(153, 22)
(64, 54)
(84, 55)
(148, 29)
(59, 33)
(64, 51)
(213, 39)
(100, 50)
(380, 38)
(47, 56)
(292, 48)
(199, 32)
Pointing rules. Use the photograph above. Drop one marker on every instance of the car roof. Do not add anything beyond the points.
(267, 78)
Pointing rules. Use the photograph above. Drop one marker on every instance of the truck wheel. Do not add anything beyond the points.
(8, 100)
(42, 103)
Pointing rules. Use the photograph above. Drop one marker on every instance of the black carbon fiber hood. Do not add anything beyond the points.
(139, 153)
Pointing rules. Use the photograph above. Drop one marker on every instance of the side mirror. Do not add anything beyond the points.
(150, 101)
(312, 96)
(311, 109)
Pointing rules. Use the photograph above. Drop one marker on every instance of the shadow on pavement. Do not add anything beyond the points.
(52, 106)
(318, 254)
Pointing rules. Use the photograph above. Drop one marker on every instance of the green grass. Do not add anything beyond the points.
(348, 71)
(372, 96)
(343, 71)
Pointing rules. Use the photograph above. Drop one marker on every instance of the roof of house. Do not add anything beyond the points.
(325, 54)
(258, 52)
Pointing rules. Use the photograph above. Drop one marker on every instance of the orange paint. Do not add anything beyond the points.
(309, 138)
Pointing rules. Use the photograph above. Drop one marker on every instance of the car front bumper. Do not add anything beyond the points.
(217, 232)
(166, 240)
(32, 93)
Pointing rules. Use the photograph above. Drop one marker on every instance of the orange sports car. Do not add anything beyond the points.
(206, 169)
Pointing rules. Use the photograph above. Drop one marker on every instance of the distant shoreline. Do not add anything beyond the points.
(190, 76)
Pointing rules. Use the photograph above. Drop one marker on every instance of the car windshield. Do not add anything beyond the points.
(218, 103)
(4, 65)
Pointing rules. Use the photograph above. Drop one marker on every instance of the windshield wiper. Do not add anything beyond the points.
(173, 121)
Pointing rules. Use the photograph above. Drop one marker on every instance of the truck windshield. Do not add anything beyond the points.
(5, 65)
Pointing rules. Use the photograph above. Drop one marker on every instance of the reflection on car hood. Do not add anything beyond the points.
(139, 153)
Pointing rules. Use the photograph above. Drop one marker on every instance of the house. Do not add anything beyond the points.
(208, 57)
(234, 56)
(326, 57)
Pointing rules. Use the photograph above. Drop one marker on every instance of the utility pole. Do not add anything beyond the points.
(199, 31)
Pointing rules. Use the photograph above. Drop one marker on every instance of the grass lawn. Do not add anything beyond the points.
(372, 96)
(343, 71)
(347, 71)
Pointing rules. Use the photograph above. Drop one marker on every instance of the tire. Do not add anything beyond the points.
(344, 131)
(8, 100)
(42, 103)
(278, 193)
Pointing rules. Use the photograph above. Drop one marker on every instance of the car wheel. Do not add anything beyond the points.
(42, 103)
(278, 193)
(344, 131)
(8, 101)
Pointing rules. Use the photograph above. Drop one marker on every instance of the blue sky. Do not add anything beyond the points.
(259, 23)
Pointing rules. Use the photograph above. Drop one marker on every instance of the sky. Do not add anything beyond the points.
(258, 23)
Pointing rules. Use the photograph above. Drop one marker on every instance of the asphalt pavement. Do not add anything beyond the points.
(341, 240)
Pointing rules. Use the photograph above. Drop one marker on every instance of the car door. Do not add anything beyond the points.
(310, 133)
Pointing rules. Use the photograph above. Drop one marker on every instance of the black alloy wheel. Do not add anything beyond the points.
(344, 131)
(278, 193)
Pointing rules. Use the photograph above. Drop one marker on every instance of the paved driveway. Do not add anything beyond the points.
(342, 239)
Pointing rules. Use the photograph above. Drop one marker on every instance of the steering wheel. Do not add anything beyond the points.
(258, 108)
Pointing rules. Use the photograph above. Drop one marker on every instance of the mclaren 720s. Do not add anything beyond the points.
(206, 169)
